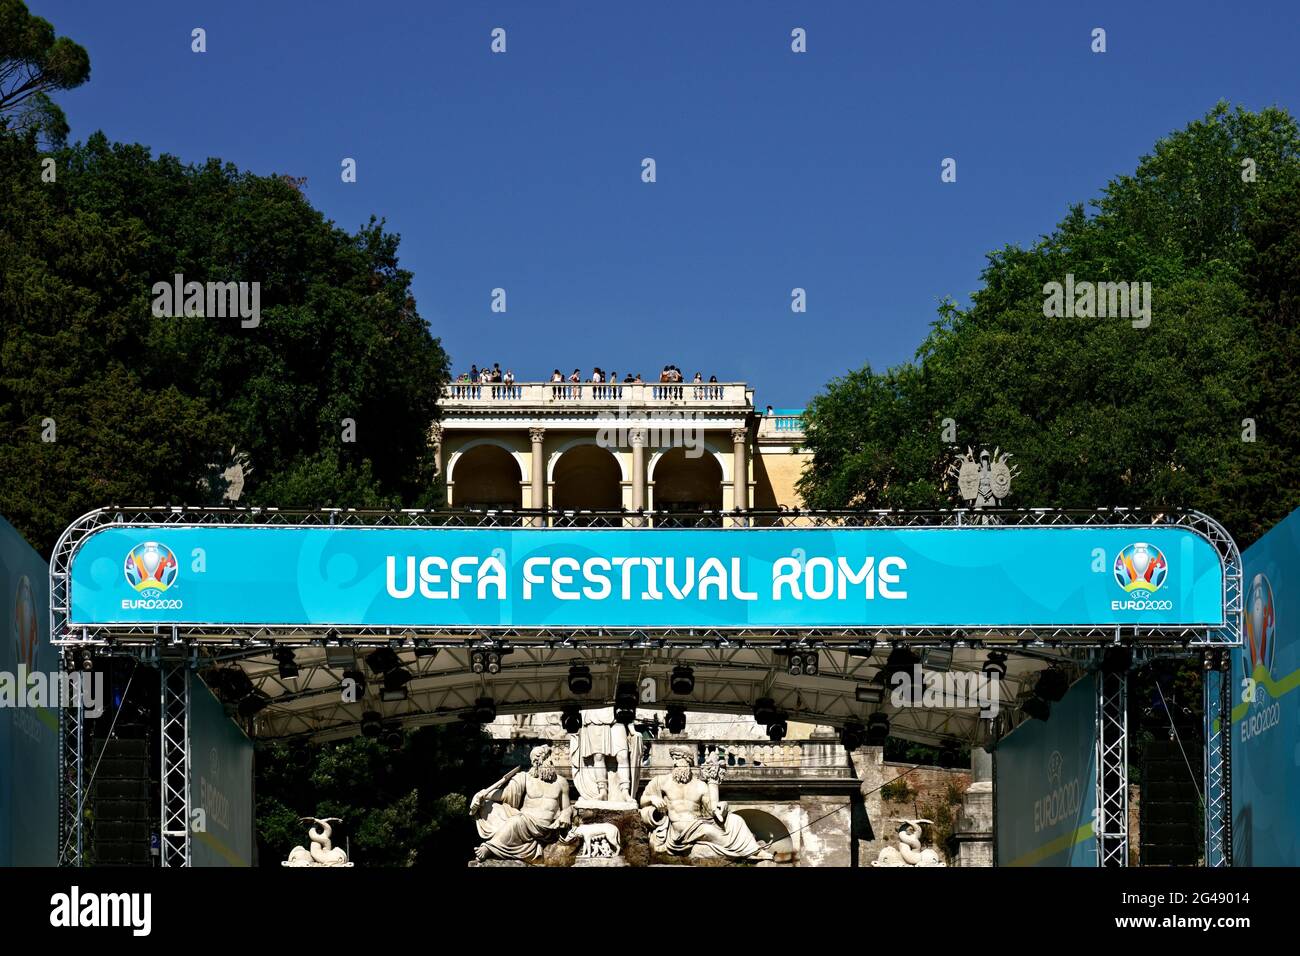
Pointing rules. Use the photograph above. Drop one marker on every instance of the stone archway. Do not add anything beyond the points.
(486, 476)
(587, 478)
(768, 829)
(686, 484)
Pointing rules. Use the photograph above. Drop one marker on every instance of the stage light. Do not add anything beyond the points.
(358, 681)
(937, 659)
(87, 661)
(425, 649)
(233, 684)
(869, 693)
(811, 664)
(477, 662)
(391, 735)
(340, 655)
(625, 701)
(682, 681)
(853, 735)
(253, 704)
(995, 665)
(485, 710)
(675, 719)
(764, 710)
(1036, 708)
(288, 666)
(371, 726)
(1052, 685)
(900, 659)
(571, 718)
(777, 729)
(393, 695)
(579, 679)
(382, 660)
(877, 729)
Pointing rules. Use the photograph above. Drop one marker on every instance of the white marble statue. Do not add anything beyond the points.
(521, 813)
(686, 816)
(322, 852)
(606, 758)
(909, 851)
(598, 839)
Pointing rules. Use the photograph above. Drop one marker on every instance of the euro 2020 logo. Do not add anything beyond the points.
(25, 625)
(1261, 634)
(151, 567)
(1140, 567)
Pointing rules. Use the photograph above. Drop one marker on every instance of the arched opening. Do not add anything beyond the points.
(587, 478)
(768, 829)
(683, 484)
(487, 476)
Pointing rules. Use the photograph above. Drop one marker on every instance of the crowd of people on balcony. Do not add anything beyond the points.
(671, 374)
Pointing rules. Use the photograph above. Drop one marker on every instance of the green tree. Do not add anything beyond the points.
(1096, 411)
(328, 401)
(33, 64)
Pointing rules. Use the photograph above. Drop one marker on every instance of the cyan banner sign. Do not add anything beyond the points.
(647, 578)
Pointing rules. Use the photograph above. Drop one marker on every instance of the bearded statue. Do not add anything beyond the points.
(521, 813)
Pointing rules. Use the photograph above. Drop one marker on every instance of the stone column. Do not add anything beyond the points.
(740, 469)
(637, 437)
(537, 471)
(974, 831)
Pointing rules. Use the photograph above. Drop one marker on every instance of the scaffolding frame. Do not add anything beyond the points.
(149, 641)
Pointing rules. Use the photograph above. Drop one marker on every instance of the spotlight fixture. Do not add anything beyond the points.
(489, 661)
(675, 719)
(682, 680)
(288, 666)
(869, 693)
(391, 735)
(232, 684)
(485, 710)
(371, 725)
(1036, 708)
(1052, 685)
(571, 718)
(777, 729)
(253, 704)
(382, 660)
(425, 649)
(87, 661)
(579, 679)
(803, 663)
(877, 729)
(395, 682)
(625, 700)
(995, 665)
(358, 679)
(900, 659)
(853, 735)
(764, 710)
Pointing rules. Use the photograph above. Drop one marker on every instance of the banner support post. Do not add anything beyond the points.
(1216, 687)
(1112, 766)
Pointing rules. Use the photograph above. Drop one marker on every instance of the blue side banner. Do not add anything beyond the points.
(1046, 785)
(758, 578)
(221, 784)
(1266, 705)
(29, 733)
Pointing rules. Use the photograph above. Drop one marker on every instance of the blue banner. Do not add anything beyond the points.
(1266, 711)
(221, 784)
(1046, 785)
(729, 578)
(29, 733)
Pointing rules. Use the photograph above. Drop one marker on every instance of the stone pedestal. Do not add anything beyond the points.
(974, 833)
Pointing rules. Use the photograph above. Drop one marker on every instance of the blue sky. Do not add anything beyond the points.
(775, 170)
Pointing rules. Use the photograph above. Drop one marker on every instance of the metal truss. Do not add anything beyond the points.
(1112, 767)
(174, 773)
(1217, 697)
(1226, 634)
(72, 782)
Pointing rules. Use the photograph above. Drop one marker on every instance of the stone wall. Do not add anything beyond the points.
(934, 794)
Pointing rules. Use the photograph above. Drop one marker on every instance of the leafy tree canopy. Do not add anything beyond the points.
(327, 401)
(1096, 411)
(34, 63)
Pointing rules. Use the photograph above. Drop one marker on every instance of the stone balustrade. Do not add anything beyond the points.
(461, 395)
